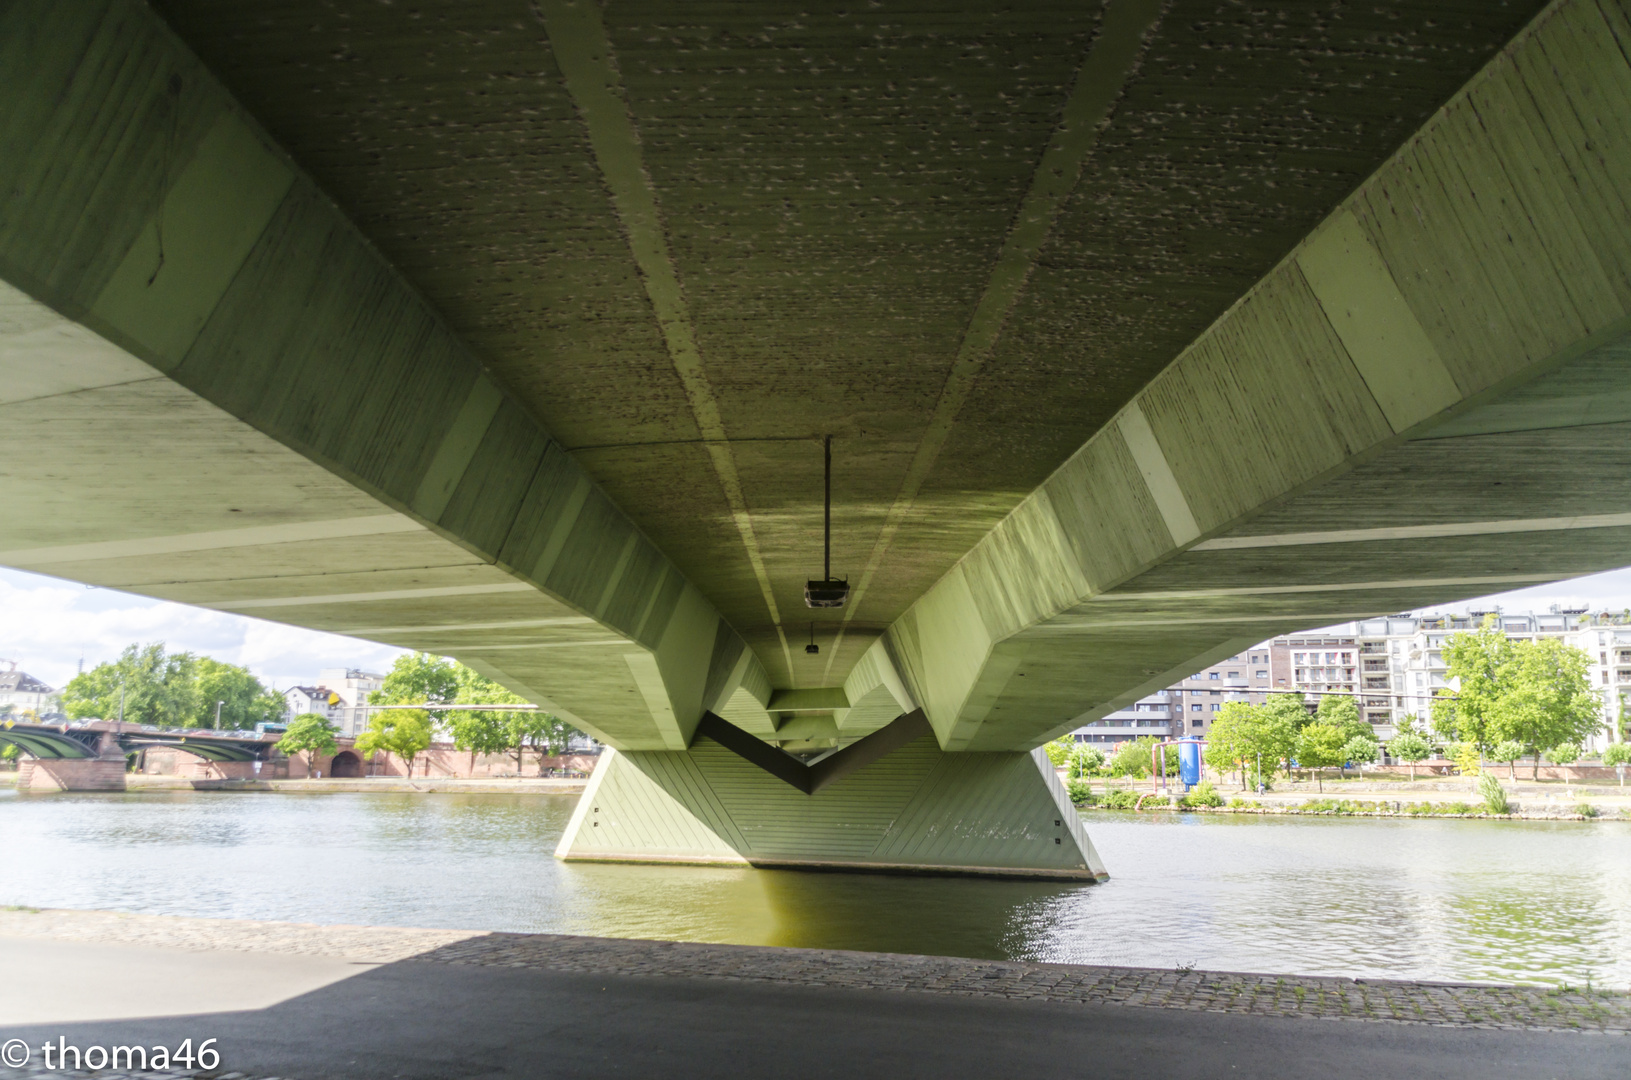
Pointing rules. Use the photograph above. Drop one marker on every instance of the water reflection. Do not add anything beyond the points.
(1525, 901)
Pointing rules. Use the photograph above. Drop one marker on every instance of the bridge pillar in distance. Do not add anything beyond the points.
(72, 774)
(916, 810)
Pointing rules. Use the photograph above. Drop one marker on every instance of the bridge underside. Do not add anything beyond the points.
(1145, 331)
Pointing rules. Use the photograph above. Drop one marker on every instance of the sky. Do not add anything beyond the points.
(47, 625)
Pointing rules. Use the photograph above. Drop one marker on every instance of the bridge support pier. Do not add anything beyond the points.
(72, 774)
(915, 810)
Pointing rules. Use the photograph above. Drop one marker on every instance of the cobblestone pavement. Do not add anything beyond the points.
(1523, 1008)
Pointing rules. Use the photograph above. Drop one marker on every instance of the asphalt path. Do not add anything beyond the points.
(423, 1019)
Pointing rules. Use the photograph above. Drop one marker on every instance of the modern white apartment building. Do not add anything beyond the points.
(1393, 665)
(1402, 665)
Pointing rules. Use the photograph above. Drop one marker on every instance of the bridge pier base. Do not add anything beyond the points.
(71, 774)
(916, 810)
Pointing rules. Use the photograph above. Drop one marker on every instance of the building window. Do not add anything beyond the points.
(1195, 708)
(1217, 708)
(1262, 674)
(1213, 675)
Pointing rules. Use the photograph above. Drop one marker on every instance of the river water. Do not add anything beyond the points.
(1510, 901)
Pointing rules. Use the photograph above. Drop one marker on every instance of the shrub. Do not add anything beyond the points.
(1203, 795)
(1237, 803)
(1617, 754)
(1079, 791)
(1121, 800)
(1585, 809)
(1493, 794)
(1458, 808)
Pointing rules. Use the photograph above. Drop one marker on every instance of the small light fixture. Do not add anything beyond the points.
(829, 592)
(813, 649)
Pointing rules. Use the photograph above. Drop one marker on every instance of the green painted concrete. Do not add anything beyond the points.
(509, 332)
(918, 809)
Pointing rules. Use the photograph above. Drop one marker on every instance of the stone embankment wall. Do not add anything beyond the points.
(439, 761)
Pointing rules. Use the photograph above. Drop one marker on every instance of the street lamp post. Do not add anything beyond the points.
(218, 705)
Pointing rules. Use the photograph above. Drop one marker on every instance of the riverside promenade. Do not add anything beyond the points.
(307, 1002)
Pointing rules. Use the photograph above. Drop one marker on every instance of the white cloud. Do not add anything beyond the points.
(47, 625)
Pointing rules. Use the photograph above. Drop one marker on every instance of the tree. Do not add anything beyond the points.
(1410, 745)
(544, 732)
(1342, 712)
(415, 679)
(311, 734)
(1319, 746)
(1477, 660)
(1361, 748)
(403, 732)
(1509, 751)
(1133, 759)
(245, 701)
(1244, 735)
(1618, 754)
(1085, 761)
(419, 679)
(1564, 754)
(156, 688)
(1545, 697)
(1058, 750)
(1229, 744)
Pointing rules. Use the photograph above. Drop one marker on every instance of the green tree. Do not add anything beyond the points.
(310, 734)
(1085, 761)
(1342, 712)
(1229, 745)
(157, 688)
(1133, 759)
(245, 701)
(1059, 749)
(514, 731)
(541, 731)
(1545, 697)
(1564, 754)
(1411, 746)
(403, 732)
(414, 679)
(1478, 659)
(1319, 746)
(1244, 735)
(1361, 748)
(1617, 754)
(1508, 751)
(419, 679)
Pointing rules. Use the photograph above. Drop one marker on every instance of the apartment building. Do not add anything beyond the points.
(1189, 707)
(341, 695)
(21, 692)
(352, 686)
(1392, 665)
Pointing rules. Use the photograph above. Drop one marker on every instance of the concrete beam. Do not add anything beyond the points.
(1442, 357)
(217, 392)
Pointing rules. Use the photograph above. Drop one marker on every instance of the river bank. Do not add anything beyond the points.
(1427, 797)
(525, 785)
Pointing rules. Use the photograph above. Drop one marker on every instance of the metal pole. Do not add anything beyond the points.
(121, 703)
(827, 513)
(218, 705)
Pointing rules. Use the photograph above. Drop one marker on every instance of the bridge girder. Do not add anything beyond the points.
(301, 434)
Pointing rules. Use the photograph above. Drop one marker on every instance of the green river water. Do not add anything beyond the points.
(1522, 901)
